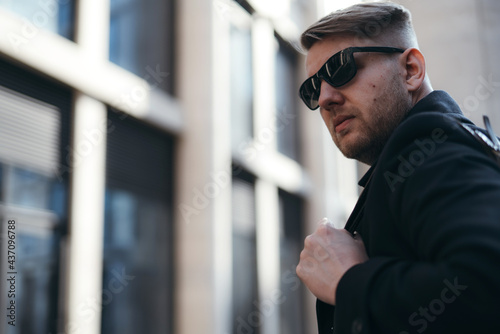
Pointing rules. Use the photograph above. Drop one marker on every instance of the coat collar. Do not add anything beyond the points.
(438, 101)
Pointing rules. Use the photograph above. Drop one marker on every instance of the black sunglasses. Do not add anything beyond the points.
(337, 71)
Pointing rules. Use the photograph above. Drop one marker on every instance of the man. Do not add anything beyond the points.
(421, 250)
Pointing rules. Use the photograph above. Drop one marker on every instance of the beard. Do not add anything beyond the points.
(384, 116)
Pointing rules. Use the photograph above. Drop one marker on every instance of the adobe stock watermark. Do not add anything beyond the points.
(425, 315)
(267, 307)
(137, 94)
(406, 167)
(92, 306)
(202, 197)
(224, 8)
(372, 29)
(94, 137)
(484, 90)
(39, 20)
(250, 148)
(83, 148)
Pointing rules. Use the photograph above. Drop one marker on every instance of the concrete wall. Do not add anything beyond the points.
(460, 41)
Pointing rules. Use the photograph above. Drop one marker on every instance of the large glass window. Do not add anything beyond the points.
(30, 189)
(34, 128)
(142, 40)
(241, 94)
(138, 240)
(123, 34)
(25, 210)
(291, 311)
(245, 288)
(1, 181)
(36, 273)
(286, 102)
(53, 15)
(137, 249)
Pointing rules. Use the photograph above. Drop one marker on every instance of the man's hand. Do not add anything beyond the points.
(328, 253)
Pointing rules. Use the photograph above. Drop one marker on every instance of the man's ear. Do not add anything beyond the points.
(414, 64)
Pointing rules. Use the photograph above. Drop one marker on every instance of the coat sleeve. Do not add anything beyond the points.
(447, 209)
(324, 314)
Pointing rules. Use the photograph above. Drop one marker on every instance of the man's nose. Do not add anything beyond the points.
(329, 96)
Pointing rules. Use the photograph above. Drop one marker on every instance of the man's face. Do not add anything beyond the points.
(361, 114)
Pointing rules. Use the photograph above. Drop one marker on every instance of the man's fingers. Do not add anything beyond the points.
(324, 221)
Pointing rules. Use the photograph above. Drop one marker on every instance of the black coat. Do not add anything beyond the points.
(431, 227)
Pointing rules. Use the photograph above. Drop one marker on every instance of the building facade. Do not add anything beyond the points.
(158, 173)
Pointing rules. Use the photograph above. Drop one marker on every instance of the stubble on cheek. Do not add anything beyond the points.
(355, 140)
(369, 133)
(352, 139)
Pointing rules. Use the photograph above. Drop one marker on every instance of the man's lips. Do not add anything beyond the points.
(341, 122)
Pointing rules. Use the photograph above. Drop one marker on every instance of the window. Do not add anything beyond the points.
(37, 237)
(245, 289)
(55, 16)
(29, 189)
(286, 102)
(34, 128)
(291, 311)
(138, 237)
(142, 40)
(1, 181)
(241, 94)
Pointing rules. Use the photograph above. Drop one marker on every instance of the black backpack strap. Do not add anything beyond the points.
(486, 137)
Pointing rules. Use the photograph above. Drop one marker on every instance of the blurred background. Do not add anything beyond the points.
(160, 169)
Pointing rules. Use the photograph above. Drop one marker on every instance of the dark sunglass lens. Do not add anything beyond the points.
(309, 92)
(344, 74)
(340, 72)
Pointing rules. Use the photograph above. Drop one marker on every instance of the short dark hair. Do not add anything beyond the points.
(372, 21)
